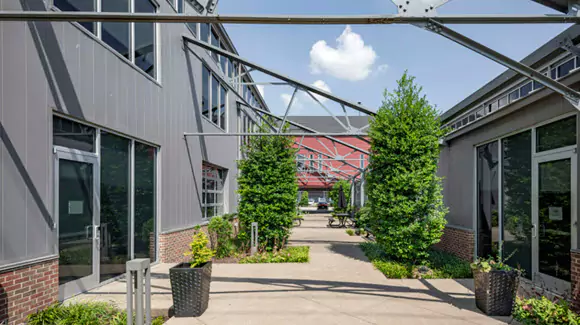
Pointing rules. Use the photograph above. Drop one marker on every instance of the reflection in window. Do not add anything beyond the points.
(514, 95)
(215, 41)
(205, 74)
(223, 107)
(526, 89)
(144, 192)
(556, 135)
(565, 68)
(78, 5)
(69, 134)
(215, 100)
(116, 35)
(114, 250)
(517, 198)
(213, 179)
(487, 199)
(204, 32)
(145, 39)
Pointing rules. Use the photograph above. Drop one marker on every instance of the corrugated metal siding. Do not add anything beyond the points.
(64, 69)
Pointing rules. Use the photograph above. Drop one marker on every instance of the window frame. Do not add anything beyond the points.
(211, 76)
(216, 191)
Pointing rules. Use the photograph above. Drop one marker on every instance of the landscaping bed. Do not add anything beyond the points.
(291, 254)
(439, 265)
(94, 313)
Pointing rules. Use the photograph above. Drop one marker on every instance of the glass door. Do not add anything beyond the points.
(77, 211)
(554, 218)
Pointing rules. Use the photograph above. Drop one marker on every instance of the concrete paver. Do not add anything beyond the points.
(338, 286)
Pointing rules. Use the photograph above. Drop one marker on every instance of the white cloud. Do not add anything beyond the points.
(350, 60)
(382, 68)
(303, 100)
(261, 89)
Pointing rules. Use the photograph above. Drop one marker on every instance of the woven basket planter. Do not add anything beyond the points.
(495, 291)
(190, 289)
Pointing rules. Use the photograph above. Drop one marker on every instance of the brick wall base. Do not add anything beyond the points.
(575, 284)
(458, 242)
(26, 290)
(173, 245)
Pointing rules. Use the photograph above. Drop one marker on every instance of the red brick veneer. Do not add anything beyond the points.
(457, 241)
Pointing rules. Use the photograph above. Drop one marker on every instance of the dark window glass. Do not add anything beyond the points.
(565, 68)
(554, 73)
(145, 225)
(493, 106)
(514, 95)
(517, 198)
(231, 69)
(205, 75)
(116, 35)
(471, 117)
(69, 134)
(223, 106)
(538, 85)
(556, 135)
(114, 250)
(78, 5)
(224, 60)
(479, 114)
(180, 6)
(204, 32)
(526, 89)
(145, 39)
(193, 28)
(215, 89)
(215, 41)
(487, 199)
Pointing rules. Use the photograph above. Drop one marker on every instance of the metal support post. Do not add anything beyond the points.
(571, 95)
(139, 275)
(254, 239)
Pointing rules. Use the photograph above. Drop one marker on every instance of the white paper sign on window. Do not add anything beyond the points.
(75, 207)
(555, 213)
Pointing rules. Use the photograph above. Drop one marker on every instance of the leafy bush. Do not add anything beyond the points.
(350, 232)
(334, 194)
(221, 230)
(94, 313)
(442, 265)
(198, 249)
(268, 189)
(292, 254)
(304, 199)
(363, 217)
(491, 263)
(542, 311)
(404, 191)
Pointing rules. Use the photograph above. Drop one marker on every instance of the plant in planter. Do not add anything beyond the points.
(496, 285)
(190, 281)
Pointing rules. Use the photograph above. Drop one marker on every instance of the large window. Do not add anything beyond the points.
(213, 191)
(487, 199)
(517, 200)
(141, 49)
(214, 95)
(144, 192)
(556, 135)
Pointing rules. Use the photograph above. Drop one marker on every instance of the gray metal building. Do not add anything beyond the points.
(510, 170)
(94, 166)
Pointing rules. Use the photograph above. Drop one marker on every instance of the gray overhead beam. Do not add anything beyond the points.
(277, 75)
(281, 19)
(258, 134)
(327, 155)
(436, 27)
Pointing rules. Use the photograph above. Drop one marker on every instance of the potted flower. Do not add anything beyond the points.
(190, 281)
(496, 285)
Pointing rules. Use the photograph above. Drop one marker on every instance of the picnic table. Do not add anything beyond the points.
(342, 218)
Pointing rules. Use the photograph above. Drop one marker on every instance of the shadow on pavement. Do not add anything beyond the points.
(349, 250)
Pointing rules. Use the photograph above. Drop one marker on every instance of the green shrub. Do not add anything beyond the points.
(334, 194)
(268, 189)
(350, 232)
(443, 265)
(199, 251)
(94, 313)
(363, 217)
(544, 312)
(304, 199)
(404, 191)
(292, 254)
(221, 230)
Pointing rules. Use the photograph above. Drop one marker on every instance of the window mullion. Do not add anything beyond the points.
(98, 26)
(132, 33)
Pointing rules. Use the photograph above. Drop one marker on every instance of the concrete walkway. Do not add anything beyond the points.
(338, 286)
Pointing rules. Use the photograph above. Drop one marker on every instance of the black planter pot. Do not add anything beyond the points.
(190, 289)
(495, 291)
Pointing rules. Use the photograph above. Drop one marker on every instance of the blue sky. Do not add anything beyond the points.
(447, 72)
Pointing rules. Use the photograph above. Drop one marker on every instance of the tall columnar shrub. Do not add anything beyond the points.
(406, 204)
(334, 194)
(304, 199)
(268, 189)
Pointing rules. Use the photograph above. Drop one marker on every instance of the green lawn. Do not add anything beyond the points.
(292, 254)
(442, 265)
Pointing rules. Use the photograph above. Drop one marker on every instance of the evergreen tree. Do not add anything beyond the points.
(404, 191)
